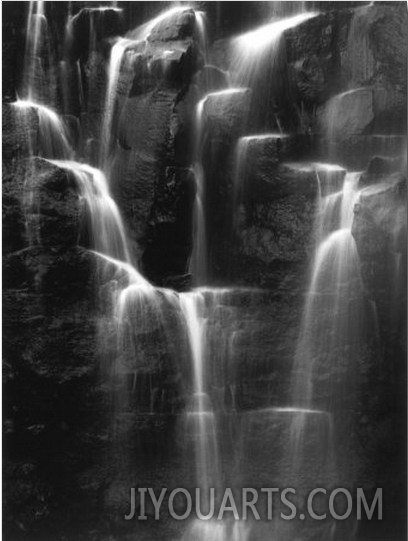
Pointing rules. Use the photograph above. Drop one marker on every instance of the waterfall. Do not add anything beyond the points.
(200, 417)
(35, 36)
(253, 49)
(108, 232)
(210, 337)
(210, 364)
(52, 142)
(334, 283)
(53, 134)
(115, 65)
(331, 327)
(202, 33)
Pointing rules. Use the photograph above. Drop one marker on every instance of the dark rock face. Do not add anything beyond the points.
(147, 148)
(225, 113)
(379, 228)
(90, 28)
(19, 139)
(169, 241)
(313, 50)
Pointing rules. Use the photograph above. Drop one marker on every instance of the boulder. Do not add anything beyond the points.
(53, 210)
(224, 113)
(347, 114)
(146, 148)
(163, 64)
(220, 54)
(210, 79)
(174, 26)
(379, 168)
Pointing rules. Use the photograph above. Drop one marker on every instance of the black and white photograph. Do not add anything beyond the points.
(204, 280)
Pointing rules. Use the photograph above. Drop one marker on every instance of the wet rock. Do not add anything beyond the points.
(349, 48)
(40, 203)
(225, 113)
(53, 209)
(376, 41)
(264, 153)
(390, 109)
(356, 151)
(62, 273)
(169, 238)
(20, 134)
(383, 206)
(178, 283)
(14, 19)
(347, 114)
(147, 148)
(210, 79)
(310, 80)
(177, 26)
(380, 231)
(278, 232)
(93, 77)
(220, 54)
(137, 132)
(164, 64)
(378, 168)
(89, 28)
(305, 178)
(313, 51)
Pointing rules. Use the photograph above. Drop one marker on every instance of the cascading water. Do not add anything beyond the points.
(335, 283)
(109, 237)
(35, 36)
(232, 434)
(331, 334)
(134, 301)
(53, 134)
(115, 64)
(200, 418)
(252, 49)
(259, 62)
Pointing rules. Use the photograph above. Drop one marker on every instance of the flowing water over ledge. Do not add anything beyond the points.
(259, 368)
